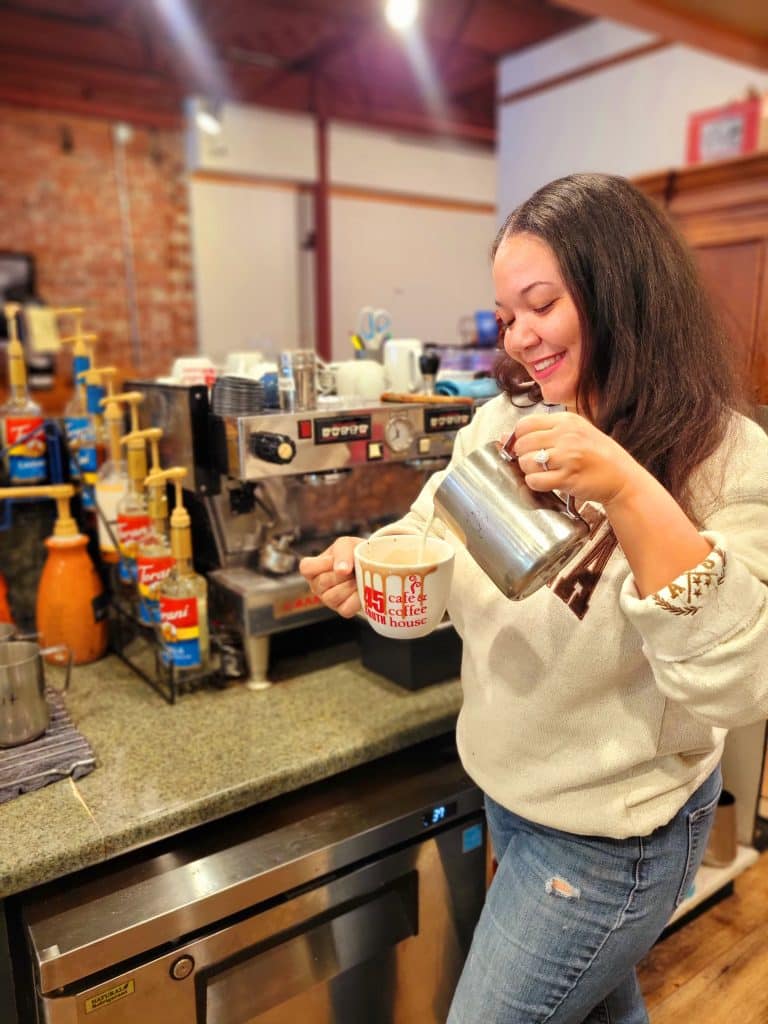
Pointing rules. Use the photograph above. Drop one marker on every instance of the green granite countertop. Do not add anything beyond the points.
(163, 768)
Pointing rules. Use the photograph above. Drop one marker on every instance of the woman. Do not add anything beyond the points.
(595, 710)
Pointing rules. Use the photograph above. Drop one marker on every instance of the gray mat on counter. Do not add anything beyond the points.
(59, 752)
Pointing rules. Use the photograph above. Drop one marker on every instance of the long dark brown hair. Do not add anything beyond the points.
(656, 371)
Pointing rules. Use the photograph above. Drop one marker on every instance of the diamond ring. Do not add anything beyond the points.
(541, 457)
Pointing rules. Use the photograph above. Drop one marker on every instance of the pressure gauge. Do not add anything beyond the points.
(399, 433)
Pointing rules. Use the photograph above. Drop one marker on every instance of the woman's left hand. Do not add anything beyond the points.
(580, 459)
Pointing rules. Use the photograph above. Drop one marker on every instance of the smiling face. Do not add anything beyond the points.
(541, 327)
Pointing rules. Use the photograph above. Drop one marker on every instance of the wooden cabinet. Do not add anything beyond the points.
(722, 212)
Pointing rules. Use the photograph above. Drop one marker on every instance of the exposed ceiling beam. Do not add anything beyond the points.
(110, 111)
(679, 25)
(92, 76)
(420, 124)
(52, 36)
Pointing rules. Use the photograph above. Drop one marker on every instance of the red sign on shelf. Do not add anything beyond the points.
(724, 132)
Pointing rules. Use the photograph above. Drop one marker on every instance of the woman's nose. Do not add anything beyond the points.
(519, 337)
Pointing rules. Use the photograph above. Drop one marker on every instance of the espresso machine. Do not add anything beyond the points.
(265, 489)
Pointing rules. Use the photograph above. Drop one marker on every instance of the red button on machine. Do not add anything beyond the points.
(305, 430)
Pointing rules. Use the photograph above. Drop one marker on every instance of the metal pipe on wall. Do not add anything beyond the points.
(322, 244)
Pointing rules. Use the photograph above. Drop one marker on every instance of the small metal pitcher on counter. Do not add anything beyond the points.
(24, 711)
(520, 538)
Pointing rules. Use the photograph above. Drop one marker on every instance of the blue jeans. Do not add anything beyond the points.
(567, 918)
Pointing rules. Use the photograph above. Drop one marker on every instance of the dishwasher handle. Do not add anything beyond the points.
(311, 952)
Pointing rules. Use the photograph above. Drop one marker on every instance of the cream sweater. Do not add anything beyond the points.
(589, 709)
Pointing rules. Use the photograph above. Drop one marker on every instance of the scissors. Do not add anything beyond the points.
(373, 326)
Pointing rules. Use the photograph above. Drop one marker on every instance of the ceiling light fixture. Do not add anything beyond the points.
(208, 117)
(401, 14)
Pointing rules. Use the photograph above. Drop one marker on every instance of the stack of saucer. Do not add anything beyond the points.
(237, 396)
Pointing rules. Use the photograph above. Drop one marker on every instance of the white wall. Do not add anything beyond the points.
(399, 163)
(427, 267)
(423, 256)
(246, 258)
(627, 119)
(255, 141)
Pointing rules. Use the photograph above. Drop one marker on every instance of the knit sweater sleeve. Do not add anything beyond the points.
(705, 634)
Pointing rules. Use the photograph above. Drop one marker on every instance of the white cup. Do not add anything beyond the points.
(242, 364)
(402, 595)
(194, 370)
(362, 378)
(401, 359)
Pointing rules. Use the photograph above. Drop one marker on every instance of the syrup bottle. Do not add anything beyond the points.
(183, 595)
(112, 477)
(71, 608)
(154, 559)
(82, 442)
(132, 512)
(20, 416)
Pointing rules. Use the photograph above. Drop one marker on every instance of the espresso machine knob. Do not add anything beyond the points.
(272, 447)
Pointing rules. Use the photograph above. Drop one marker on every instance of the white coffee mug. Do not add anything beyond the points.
(242, 364)
(401, 359)
(403, 588)
(194, 370)
(360, 378)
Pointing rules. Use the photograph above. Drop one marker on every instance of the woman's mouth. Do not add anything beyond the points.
(544, 368)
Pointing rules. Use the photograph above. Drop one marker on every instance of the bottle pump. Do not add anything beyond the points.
(183, 594)
(112, 477)
(81, 358)
(71, 608)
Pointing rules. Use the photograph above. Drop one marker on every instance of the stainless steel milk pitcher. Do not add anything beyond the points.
(520, 538)
(24, 711)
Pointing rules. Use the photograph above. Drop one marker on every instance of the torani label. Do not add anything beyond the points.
(83, 461)
(151, 571)
(180, 630)
(26, 462)
(130, 530)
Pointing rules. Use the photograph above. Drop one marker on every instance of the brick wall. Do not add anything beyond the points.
(60, 201)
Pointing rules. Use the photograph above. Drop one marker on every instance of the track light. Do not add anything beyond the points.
(401, 14)
(208, 117)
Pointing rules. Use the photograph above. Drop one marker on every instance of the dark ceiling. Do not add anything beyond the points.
(135, 60)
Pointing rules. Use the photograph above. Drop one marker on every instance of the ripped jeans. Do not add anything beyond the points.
(568, 917)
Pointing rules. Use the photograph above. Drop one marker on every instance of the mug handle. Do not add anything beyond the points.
(568, 500)
(55, 649)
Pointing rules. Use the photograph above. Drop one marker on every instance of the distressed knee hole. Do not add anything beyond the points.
(559, 887)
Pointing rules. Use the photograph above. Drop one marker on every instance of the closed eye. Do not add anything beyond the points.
(545, 308)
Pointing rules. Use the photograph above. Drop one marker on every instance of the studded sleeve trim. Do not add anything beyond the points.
(691, 591)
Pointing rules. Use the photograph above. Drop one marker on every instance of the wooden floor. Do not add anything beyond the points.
(714, 969)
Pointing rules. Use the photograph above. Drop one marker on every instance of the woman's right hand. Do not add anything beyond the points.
(331, 576)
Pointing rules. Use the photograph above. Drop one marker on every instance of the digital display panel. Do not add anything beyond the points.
(342, 429)
(445, 418)
(438, 814)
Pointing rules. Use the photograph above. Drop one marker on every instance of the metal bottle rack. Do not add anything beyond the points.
(137, 645)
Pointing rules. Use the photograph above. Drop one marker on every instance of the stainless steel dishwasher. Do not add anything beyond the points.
(352, 901)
